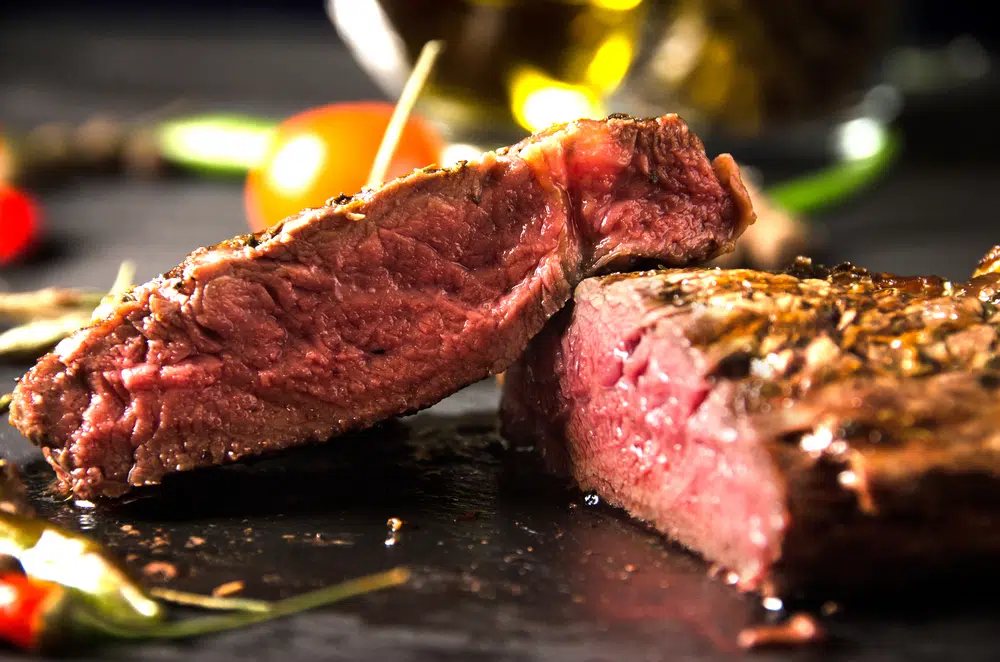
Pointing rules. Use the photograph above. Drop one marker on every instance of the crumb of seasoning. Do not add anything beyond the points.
(799, 630)
(132, 557)
(159, 541)
(271, 579)
(630, 567)
(160, 570)
(829, 608)
(394, 524)
(227, 589)
(288, 536)
(322, 542)
(194, 541)
(129, 529)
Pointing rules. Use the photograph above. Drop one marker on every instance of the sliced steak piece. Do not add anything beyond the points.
(818, 429)
(372, 306)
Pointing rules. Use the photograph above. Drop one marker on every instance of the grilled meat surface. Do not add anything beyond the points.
(829, 429)
(372, 306)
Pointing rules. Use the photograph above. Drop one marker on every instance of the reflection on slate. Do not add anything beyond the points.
(501, 551)
(509, 562)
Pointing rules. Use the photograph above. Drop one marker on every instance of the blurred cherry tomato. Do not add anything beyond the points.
(326, 151)
(19, 224)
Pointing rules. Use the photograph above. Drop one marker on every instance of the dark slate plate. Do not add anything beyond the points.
(508, 562)
(506, 559)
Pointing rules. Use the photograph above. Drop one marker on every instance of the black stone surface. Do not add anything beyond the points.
(509, 564)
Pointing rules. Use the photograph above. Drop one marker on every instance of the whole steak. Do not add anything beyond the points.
(828, 429)
(370, 307)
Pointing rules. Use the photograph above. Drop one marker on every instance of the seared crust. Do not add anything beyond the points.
(878, 360)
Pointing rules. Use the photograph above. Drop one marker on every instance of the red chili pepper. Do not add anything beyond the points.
(19, 224)
(24, 603)
(65, 590)
(40, 615)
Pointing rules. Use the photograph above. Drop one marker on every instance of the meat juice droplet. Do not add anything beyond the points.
(847, 478)
(87, 522)
(591, 498)
(773, 604)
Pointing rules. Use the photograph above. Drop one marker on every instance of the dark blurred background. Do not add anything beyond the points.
(930, 79)
(927, 21)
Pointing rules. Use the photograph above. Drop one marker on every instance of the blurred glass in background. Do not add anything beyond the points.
(509, 66)
(730, 67)
(742, 66)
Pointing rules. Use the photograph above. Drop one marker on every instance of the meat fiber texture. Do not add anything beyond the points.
(827, 430)
(373, 306)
